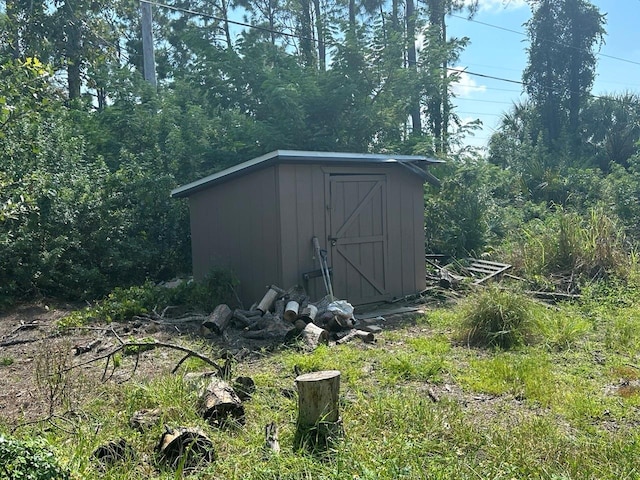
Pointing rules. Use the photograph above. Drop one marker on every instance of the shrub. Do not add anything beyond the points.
(497, 318)
(124, 303)
(29, 460)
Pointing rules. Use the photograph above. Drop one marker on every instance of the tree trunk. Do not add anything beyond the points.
(306, 48)
(322, 55)
(414, 109)
(73, 57)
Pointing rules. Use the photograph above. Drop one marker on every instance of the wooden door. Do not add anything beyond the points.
(357, 237)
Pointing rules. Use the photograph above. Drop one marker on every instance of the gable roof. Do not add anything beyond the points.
(415, 163)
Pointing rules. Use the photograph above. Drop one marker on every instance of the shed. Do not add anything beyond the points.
(259, 217)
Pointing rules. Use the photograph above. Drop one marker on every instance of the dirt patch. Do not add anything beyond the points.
(33, 353)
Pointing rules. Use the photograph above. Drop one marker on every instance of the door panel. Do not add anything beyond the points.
(358, 237)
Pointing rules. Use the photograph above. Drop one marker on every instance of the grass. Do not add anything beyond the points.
(564, 406)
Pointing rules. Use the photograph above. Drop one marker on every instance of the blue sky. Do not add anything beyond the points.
(502, 53)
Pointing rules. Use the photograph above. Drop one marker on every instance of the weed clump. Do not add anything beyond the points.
(497, 318)
(29, 459)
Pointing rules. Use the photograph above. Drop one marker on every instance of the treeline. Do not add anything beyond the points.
(89, 151)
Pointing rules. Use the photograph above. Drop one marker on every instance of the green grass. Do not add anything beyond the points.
(6, 361)
(564, 406)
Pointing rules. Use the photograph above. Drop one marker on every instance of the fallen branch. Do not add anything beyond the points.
(137, 346)
(18, 341)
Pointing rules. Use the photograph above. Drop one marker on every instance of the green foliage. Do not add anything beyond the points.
(29, 460)
(565, 242)
(5, 361)
(461, 216)
(124, 303)
(497, 318)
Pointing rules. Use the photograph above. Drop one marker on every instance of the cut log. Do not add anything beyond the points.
(219, 319)
(246, 317)
(117, 451)
(318, 424)
(300, 324)
(278, 309)
(291, 311)
(366, 337)
(308, 313)
(271, 327)
(271, 442)
(268, 299)
(189, 447)
(220, 405)
(312, 336)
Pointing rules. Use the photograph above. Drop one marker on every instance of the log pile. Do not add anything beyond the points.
(282, 316)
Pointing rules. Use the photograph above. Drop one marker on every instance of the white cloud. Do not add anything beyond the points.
(466, 86)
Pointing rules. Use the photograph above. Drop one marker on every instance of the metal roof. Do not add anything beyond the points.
(412, 162)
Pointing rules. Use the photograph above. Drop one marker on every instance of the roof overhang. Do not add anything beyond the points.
(415, 163)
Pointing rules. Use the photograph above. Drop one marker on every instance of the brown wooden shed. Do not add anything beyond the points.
(258, 218)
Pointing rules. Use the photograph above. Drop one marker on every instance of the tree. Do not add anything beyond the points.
(561, 67)
(611, 127)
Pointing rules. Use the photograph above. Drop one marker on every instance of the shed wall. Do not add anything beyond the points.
(235, 225)
(303, 203)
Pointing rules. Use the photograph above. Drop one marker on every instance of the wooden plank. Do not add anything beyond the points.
(481, 270)
(487, 262)
(498, 272)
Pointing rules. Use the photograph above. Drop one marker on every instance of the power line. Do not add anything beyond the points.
(335, 44)
(486, 101)
(620, 59)
(226, 20)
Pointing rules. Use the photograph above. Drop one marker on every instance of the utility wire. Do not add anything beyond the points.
(335, 44)
(626, 60)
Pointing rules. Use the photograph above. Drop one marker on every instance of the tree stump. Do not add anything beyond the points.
(319, 425)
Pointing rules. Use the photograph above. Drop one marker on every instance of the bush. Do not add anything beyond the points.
(124, 303)
(29, 460)
(497, 318)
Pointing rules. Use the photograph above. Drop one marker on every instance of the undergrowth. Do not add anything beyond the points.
(122, 304)
(417, 404)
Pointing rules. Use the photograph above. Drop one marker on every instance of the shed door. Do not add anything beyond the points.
(358, 236)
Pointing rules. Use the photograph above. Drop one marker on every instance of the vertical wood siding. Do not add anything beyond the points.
(260, 225)
(235, 225)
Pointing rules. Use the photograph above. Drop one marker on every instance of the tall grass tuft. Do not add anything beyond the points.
(497, 318)
(583, 248)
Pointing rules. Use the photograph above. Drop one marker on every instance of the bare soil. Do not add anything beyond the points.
(33, 350)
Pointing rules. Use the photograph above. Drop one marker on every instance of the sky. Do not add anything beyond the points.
(496, 49)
